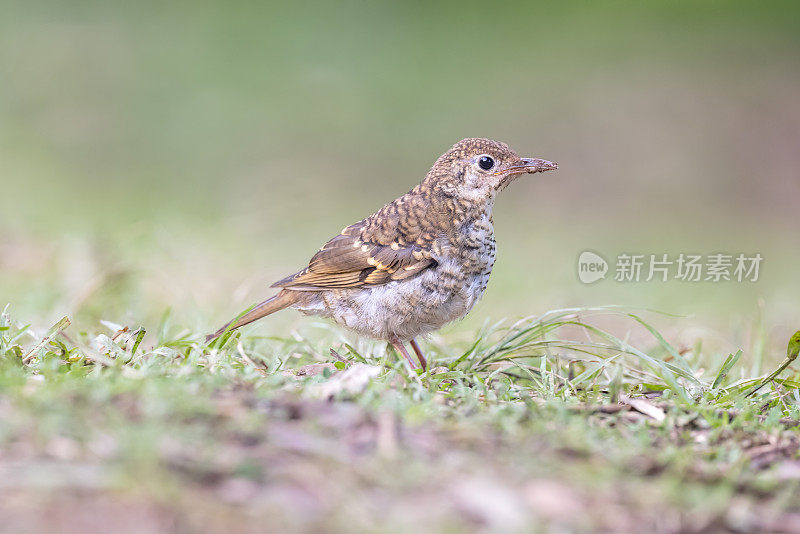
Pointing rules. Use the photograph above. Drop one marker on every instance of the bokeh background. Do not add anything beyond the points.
(181, 156)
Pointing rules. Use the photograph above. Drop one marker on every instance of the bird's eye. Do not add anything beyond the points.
(486, 162)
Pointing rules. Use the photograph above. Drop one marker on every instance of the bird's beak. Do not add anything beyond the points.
(528, 165)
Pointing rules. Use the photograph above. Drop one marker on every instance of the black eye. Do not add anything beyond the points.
(486, 163)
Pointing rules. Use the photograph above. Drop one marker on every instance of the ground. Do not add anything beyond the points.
(523, 430)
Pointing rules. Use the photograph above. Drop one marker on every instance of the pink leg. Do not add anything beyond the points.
(398, 345)
(418, 351)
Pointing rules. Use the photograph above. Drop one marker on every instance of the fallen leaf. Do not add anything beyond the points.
(644, 407)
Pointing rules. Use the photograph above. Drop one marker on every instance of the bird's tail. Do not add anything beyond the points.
(282, 300)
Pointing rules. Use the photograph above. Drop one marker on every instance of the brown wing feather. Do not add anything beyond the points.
(392, 244)
(348, 260)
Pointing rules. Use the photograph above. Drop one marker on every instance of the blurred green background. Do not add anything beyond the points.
(184, 155)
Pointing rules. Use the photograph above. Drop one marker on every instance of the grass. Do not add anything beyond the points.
(551, 422)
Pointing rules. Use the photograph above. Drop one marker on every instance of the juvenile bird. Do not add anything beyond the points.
(416, 264)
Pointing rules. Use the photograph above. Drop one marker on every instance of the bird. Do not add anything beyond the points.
(418, 263)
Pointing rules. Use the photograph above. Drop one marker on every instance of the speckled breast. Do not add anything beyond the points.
(477, 250)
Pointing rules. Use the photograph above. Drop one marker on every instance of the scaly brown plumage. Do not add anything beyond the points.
(419, 262)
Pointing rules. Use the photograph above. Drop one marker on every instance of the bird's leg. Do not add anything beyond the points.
(418, 351)
(398, 346)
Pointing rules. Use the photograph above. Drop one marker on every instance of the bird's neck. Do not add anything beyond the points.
(448, 210)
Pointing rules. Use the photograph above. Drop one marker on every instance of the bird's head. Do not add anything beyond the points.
(476, 169)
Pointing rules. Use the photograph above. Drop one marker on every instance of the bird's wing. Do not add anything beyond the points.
(361, 256)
